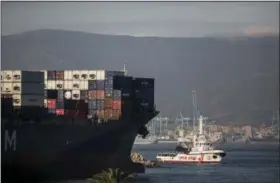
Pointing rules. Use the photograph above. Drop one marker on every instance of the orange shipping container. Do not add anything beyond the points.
(108, 113)
(100, 94)
(92, 94)
(100, 113)
(59, 75)
(116, 114)
(108, 103)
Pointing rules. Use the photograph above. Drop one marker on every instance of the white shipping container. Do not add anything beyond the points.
(51, 85)
(100, 74)
(28, 88)
(68, 85)
(46, 84)
(45, 103)
(84, 74)
(76, 85)
(59, 85)
(68, 95)
(76, 75)
(7, 75)
(76, 94)
(28, 100)
(28, 76)
(92, 75)
(68, 75)
(84, 85)
(7, 88)
(2, 87)
(2, 76)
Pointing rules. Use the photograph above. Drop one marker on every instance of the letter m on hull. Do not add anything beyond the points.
(10, 140)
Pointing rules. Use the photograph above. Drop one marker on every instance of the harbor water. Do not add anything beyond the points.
(243, 164)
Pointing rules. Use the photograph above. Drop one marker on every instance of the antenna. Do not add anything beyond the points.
(124, 68)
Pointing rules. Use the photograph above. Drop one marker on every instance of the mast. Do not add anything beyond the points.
(200, 125)
(124, 68)
(194, 108)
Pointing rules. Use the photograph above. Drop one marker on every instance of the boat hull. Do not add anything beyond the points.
(204, 157)
(59, 152)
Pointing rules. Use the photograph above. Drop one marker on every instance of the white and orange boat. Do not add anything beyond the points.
(201, 151)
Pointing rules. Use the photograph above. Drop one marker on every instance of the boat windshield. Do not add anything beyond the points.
(167, 154)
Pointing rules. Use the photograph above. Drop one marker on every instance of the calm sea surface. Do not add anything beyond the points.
(243, 164)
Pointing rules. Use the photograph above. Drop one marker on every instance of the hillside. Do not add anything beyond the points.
(236, 79)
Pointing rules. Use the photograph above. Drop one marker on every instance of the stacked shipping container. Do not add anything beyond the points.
(80, 92)
(25, 89)
(77, 93)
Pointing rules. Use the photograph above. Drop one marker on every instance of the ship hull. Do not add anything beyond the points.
(64, 153)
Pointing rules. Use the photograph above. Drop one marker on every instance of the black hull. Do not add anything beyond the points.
(50, 152)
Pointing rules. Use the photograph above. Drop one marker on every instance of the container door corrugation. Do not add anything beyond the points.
(92, 104)
(51, 103)
(60, 95)
(108, 103)
(68, 75)
(59, 85)
(76, 75)
(52, 94)
(108, 93)
(100, 85)
(92, 75)
(51, 85)
(59, 112)
(100, 113)
(51, 75)
(7, 88)
(84, 75)
(76, 95)
(68, 85)
(7, 75)
(101, 75)
(60, 104)
(76, 85)
(84, 85)
(92, 85)
(100, 104)
(59, 75)
(92, 94)
(117, 104)
(84, 94)
(100, 94)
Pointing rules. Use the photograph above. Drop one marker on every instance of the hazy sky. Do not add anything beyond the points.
(172, 19)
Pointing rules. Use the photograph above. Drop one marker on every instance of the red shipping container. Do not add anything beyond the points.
(92, 94)
(75, 113)
(59, 112)
(117, 104)
(108, 103)
(51, 103)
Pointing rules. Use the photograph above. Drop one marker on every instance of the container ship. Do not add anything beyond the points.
(69, 125)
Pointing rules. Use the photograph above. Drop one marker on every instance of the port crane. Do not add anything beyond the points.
(182, 120)
(159, 122)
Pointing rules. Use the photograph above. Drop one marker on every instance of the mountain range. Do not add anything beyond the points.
(236, 78)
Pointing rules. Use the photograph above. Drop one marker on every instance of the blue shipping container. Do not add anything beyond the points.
(59, 104)
(60, 95)
(100, 84)
(92, 104)
(92, 112)
(51, 75)
(51, 111)
(100, 104)
(109, 93)
(92, 85)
